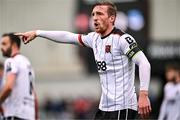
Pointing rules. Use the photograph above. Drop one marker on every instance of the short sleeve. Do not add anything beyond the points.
(11, 66)
(128, 45)
(86, 40)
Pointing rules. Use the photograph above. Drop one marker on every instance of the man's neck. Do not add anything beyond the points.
(14, 53)
(107, 32)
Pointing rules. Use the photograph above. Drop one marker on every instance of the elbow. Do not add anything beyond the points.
(146, 65)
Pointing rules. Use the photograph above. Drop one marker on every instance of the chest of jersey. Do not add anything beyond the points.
(106, 52)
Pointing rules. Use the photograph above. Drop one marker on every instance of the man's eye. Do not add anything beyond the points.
(3, 43)
(99, 13)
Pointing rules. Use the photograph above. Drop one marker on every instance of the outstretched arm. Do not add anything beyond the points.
(144, 76)
(59, 36)
(56, 36)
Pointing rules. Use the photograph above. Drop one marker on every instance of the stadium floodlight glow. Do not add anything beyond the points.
(135, 19)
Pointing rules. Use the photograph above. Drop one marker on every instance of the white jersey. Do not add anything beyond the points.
(171, 103)
(113, 55)
(20, 103)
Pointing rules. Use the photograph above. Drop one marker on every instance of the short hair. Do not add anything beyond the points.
(173, 66)
(112, 10)
(13, 38)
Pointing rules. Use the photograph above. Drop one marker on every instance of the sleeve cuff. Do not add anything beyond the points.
(144, 88)
(38, 32)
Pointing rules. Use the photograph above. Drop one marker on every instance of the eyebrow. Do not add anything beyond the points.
(97, 12)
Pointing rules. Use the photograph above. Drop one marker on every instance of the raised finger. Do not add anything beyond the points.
(19, 34)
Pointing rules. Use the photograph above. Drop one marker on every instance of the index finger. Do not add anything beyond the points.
(19, 34)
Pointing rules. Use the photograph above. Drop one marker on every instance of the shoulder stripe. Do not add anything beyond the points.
(118, 31)
(80, 40)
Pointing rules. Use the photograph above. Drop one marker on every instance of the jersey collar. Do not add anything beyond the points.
(15, 55)
(109, 33)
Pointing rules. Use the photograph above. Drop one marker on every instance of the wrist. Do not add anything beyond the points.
(37, 33)
(143, 93)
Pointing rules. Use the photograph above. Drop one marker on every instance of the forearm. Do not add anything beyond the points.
(144, 71)
(7, 89)
(144, 76)
(59, 36)
(4, 94)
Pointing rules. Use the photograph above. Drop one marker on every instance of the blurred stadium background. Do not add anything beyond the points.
(67, 83)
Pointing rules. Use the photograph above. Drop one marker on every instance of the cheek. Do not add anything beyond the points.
(104, 24)
(3, 48)
(103, 21)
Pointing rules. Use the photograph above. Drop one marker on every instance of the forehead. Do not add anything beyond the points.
(5, 39)
(100, 8)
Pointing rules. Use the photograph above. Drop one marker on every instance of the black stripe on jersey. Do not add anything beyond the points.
(132, 52)
(118, 31)
(123, 82)
(106, 77)
(114, 31)
(108, 34)
(114, 74)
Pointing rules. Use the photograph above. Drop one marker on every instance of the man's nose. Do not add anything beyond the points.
(95, 18)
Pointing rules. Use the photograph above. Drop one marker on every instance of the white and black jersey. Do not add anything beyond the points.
(113, 55)
(20, 103)
(116, 55)
(171, 103)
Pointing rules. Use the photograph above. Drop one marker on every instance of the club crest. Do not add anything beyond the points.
(108, 48)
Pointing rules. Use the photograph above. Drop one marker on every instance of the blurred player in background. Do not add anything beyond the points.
(171, 103)
(116, 54)
(177, 106)
(17, 95)
(1, 80)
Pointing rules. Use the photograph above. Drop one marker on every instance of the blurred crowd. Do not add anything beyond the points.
(80, 108)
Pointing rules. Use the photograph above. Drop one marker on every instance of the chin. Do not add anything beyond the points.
(6, 55)
(98, 31)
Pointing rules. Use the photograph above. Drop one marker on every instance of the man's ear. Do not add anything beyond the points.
(14, 45)
(112, 18)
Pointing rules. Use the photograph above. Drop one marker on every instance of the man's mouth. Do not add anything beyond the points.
(96, 25)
